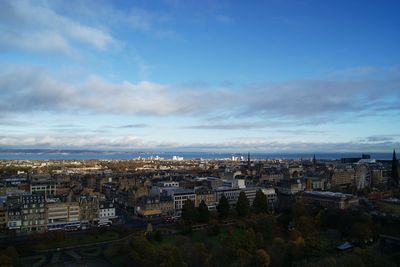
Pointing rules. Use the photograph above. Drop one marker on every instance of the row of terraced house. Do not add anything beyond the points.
(31, 212)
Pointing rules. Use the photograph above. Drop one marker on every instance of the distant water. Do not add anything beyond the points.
(102, 155)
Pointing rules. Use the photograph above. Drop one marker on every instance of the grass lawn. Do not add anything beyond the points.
(76, 240)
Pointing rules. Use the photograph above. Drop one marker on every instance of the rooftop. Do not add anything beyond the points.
(328, 194)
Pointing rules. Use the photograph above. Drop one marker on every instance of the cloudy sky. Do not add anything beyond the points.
(266, 76)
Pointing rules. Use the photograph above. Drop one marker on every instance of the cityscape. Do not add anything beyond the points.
(53, 209)
(183, 133)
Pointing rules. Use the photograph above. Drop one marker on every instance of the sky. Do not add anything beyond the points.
(187, 75)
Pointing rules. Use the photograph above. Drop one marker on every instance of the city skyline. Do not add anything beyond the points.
(270, 76)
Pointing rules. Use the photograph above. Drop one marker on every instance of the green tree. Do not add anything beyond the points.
(203, 214)
(143, 252)
(199, 255)
(266, 225)
(223, 207)
(260, 203)
(189, 212)
(170, 257)
(242, 205)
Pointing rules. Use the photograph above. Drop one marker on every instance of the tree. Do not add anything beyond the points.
(223, 207)
(203, 214)
(158, 236)
(189, 212)
(266, 225)
(262, 258)
(242, 205)
(170, 257)
(260, 203)
(143, 253)
(395, 169)
(213, 230)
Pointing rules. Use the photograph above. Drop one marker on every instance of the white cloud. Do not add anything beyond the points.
(80, 141)
(63, 141)
(33, 26)
(311, 102)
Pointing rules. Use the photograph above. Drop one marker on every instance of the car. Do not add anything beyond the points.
(168, 219)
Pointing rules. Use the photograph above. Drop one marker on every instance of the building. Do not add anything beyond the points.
(342, 177)
(271, 177)
(206, 195)
(151, 207)
(168, 184)
(44, 186)
(14, 214)
(362, 177)
(234, 183)
(106, 211)
(33, 213)
(329, 199)
(314, 183)
(250, 193)
(390, 206)
(231, 194)
(289, 186)
(212, 182)
(3, 214)
(379, 176)
(89, 209)
(62, 215)
(271, 197)
(179, 197)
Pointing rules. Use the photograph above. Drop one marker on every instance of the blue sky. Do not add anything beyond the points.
(262, 76)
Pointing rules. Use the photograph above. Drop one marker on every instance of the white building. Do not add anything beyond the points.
(177, 158)
(180, 196)
(106, 211)
(235, 183)
(168, 184)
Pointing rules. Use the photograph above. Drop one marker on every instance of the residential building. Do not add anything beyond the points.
(3, 214)
(206, 195)
(62, 215)
(33, 213)
(155, 206)
(329, 199)
(14, 214)
(89, 209)
(106, 211)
